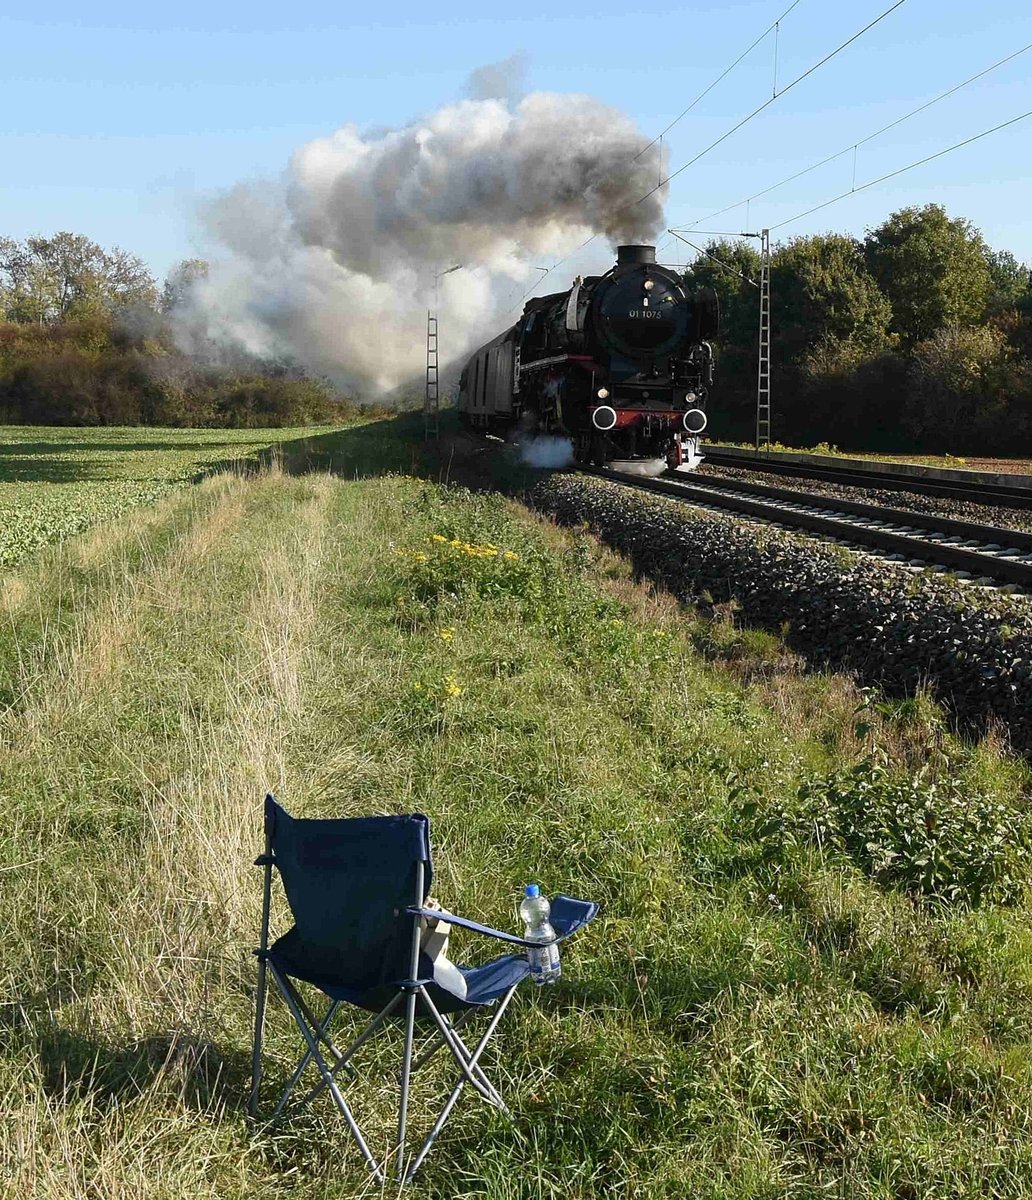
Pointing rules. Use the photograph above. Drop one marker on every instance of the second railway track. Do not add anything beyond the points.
(979, 493)
(981, 552)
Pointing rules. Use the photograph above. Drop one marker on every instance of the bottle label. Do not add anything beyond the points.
(536, 957)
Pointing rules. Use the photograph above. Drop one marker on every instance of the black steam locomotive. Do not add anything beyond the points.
(619, 364)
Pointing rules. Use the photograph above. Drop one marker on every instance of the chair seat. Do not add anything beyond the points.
(484, 984)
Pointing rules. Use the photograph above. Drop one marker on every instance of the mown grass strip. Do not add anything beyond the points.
(737, 1023)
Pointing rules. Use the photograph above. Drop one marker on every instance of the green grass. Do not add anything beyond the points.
(756, 1013)
(56, 482)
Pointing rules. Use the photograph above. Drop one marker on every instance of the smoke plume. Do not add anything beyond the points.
(334, 265)
(546, 453)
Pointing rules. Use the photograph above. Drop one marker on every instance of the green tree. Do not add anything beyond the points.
(727, 267)
(825, 295)
(181, 280)
(934, 269)
(828, 319)
(731, 269)
(1010, 281)
(46, 280)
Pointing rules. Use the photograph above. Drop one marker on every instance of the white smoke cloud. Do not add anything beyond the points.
(334, 264)
(546, 453)
(503, 80)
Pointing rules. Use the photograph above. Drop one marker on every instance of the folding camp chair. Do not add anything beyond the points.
(357, 889)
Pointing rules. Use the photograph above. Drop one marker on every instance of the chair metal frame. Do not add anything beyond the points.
(315, 1033)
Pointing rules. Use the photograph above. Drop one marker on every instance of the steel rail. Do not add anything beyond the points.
(986, 493)
(979, 564)
(1019, 539)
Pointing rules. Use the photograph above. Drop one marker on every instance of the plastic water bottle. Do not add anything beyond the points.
(544, 959)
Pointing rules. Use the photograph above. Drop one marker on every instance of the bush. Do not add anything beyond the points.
(930, 838)
(94, 373)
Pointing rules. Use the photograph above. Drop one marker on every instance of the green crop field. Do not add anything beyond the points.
(55, 482)
(758, 1012)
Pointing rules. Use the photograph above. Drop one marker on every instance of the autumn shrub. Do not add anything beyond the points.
(95, 372)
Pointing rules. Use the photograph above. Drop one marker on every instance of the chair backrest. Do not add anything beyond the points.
(348, 883)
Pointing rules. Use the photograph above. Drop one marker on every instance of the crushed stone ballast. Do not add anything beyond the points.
(984, 553)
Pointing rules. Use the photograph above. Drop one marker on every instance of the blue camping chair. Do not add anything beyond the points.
(357, 889)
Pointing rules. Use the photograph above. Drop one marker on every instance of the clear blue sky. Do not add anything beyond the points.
(119, 118)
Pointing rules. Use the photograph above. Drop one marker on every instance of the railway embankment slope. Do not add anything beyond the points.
(893, 626)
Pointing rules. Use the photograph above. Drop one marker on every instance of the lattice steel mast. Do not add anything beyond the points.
(431, 397)
(763, 358)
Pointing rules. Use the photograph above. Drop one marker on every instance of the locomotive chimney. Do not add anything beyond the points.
(629, 256)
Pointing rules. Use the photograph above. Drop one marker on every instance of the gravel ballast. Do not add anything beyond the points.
(943, 506)
(891, 626)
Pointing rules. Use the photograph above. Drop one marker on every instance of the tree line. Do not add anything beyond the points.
(87, 338)
(917, 337)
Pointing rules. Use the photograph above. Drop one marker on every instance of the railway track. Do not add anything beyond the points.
(979, 552)
(987, 493)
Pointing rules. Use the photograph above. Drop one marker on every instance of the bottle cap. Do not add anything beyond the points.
(532, 889)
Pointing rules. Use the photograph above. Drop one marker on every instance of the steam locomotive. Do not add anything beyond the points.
(618, 364)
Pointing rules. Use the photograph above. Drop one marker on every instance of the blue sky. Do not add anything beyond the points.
(119, 119)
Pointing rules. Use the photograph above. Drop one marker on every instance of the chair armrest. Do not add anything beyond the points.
(568, 915)
(440, 914)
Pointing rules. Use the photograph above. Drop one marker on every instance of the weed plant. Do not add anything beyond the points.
(762, 1009)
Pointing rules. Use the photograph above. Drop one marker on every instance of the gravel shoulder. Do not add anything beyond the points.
(892, 626)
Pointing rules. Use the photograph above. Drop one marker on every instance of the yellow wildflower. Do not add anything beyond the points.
(509, 556)
(439, 537)
(451, 686)
(446, 633)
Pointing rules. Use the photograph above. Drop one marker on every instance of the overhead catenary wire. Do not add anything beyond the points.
(788, 87)
(771, 99)
(660, 136)
(909, 167)
(864, 140)
(719, 262)
(723, 75)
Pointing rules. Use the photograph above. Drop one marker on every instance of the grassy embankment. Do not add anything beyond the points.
(754, 1014)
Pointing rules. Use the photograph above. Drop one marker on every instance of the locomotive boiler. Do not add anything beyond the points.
(619, 364)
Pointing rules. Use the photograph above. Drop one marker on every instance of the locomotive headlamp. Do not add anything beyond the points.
(604, 417)
(603, 393)
(649, 284)
(690, 398)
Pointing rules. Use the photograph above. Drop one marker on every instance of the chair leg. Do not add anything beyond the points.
(327, 1074)
(406, 1075)
(319, 1028)
(259, 1029)
(474, 1075)
(351, 1051)
(450, 1103)
(439, 1044)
